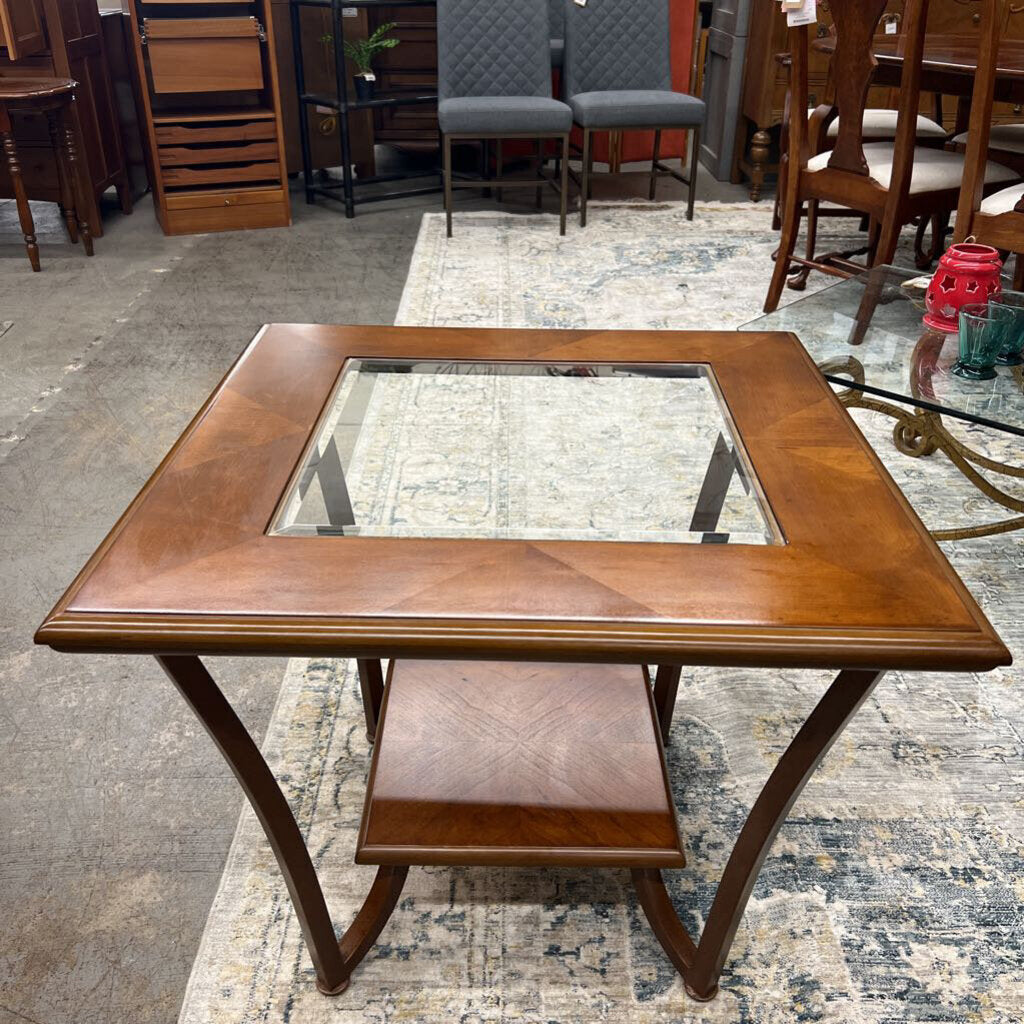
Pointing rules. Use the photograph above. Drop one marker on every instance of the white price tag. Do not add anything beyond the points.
(350, 12)
(891, 28)
(580, 3)
(370, 76)
(806, 15)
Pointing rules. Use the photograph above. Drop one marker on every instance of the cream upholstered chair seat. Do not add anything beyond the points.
(1004, 201)
(881, 124)
(1007, 137)
(935, 170)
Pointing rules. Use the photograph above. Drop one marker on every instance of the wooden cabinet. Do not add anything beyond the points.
(72, 47)
(21, 28)
(207, 78)
(409, 69)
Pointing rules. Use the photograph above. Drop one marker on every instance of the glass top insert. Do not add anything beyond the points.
(527, 451)
(867, 330)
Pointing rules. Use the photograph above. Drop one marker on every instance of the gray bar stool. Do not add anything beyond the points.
(494, 82)
(617, 76)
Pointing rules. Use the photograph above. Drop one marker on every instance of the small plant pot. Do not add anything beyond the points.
(364, 87)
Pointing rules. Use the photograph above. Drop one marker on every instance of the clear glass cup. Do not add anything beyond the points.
(1011, 352)
(983, 329)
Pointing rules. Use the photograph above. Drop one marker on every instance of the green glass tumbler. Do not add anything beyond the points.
(1010, 354)
(983, 328)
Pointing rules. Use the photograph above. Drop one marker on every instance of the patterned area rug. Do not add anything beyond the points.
(894, 891)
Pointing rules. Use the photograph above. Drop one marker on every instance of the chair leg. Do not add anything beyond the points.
(887, 242)
(694, 160)
(538, 197)
(67, 196)
(585, 177)
(1018, 272)
(77, 185)
(654, 165)
(447, 171)
(787, 243)
(874, 233)
(28, 228)
(564, 198)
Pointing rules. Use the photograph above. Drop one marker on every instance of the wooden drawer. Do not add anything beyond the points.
(178, 177)
(224, 197)
(230, 131)
(226, 210)
(177, 156)
(204, 54)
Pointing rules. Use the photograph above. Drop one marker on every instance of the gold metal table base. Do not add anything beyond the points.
(920, 432)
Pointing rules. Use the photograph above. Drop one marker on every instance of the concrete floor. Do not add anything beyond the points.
(115, 811)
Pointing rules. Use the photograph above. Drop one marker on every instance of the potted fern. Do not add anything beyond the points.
(361, 52)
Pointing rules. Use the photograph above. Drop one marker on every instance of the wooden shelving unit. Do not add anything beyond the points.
(208, 83)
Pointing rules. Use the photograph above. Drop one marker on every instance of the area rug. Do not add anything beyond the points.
(894, 891)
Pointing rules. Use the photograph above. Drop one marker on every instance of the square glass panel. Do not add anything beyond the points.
(527, 451)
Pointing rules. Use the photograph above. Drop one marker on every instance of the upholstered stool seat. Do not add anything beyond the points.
(637, 108)
(512, 114)
(935, 170)
(518, 764)
(1006, 138)
(1003, 201)
(881, 124)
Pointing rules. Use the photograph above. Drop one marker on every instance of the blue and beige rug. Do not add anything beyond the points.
(894, 891)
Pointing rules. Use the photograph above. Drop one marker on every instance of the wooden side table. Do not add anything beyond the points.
(52, 97)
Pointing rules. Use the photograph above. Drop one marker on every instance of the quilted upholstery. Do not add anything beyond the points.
(616, 45)
(1007, 137)
(935, 170)
(463, 115)
(1003, 202)
(491, 49)
(636, 108)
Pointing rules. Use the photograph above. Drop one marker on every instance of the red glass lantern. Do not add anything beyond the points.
(967, 272)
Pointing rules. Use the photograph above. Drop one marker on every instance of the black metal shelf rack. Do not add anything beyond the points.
(341, 103)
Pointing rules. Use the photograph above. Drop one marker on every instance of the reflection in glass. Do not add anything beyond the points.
(527, 451)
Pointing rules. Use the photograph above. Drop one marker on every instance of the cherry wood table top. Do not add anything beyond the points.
(949, 64)
(190, 567)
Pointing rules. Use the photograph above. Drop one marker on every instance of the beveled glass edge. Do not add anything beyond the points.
(277, 528)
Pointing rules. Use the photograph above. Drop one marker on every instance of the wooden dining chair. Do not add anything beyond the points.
(996, 219)
(892, 183)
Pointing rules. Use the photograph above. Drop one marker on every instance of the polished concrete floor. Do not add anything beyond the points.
(115, 811)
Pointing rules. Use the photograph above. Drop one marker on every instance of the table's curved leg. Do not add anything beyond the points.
(226, 730)
(701, 968)
(368, 923)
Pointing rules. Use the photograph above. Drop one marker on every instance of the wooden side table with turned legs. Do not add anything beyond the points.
(52, 97)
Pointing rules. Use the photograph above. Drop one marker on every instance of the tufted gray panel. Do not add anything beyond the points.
(616, 45)
(556, 18)
(486, 48)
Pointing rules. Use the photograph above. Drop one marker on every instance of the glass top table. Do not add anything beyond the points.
(527, 451)
(866, 333)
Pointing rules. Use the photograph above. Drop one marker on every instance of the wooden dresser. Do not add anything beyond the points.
(63, 39)
(208, 83)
